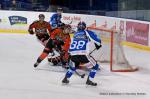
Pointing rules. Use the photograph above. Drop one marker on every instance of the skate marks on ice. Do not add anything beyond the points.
(105, 79)
(77, 86)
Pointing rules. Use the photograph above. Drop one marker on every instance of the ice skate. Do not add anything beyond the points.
(65, 81)
(89, 82)
(36, 64)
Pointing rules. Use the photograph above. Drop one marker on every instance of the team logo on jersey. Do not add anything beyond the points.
(17, 20)
(80, 37)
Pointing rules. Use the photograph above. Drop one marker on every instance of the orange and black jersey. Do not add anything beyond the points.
(58, 34)
(40, 28)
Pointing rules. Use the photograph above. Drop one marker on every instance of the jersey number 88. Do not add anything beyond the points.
(78, 45)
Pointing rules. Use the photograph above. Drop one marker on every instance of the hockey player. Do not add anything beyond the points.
(55, 20)
(80, 55)
(60, 40)
(42, 29)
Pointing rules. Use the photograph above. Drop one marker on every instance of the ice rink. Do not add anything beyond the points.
(19, 80)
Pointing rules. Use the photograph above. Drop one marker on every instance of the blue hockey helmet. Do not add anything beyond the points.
(81, 25)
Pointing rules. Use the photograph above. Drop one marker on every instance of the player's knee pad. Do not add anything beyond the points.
(96, 67)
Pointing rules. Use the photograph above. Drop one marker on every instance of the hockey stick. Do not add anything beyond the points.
(80, 75)
(92, 51)
(93, 57)
(83, 75)
(99, 56)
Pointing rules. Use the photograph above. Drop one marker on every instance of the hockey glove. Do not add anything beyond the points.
(98, 46)
(30, 31)
(59, 41)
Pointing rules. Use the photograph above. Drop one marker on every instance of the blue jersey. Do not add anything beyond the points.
(79, 45)
(55, 20)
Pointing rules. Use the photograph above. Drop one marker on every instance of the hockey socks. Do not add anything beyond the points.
(93, 71)
(92, 75)
(37, 62)
(69, 73)
(44, 54)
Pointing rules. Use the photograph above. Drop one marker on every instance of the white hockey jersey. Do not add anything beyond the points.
(80, 43)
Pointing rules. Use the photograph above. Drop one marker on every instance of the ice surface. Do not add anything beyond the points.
(19, 80)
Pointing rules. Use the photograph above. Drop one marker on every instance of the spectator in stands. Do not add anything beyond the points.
(0, 6)
(13, 6)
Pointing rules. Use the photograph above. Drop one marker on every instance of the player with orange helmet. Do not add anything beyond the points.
(59, 40)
